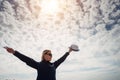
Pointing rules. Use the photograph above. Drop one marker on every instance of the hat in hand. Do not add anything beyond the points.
(74, 47)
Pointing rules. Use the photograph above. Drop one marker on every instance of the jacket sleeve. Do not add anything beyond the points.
(30, 62)
(59, 61)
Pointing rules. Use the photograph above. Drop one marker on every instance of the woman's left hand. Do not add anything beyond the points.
(70, 50)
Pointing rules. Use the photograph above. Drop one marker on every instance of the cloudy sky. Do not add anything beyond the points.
(30, 26)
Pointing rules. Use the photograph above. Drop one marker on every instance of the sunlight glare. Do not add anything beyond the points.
(49, 6)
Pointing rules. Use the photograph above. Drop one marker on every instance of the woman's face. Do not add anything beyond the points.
(48, 56)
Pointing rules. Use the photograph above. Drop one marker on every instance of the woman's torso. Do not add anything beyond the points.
(46, 71)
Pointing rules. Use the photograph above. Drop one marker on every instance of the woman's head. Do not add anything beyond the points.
(46, 55)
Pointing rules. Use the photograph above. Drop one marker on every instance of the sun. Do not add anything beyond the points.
(49, 6)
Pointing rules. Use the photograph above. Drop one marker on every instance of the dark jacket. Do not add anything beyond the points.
(46, 70)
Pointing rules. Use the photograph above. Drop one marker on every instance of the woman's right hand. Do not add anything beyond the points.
(10, 50)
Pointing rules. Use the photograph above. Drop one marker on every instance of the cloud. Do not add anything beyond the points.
(93, 25)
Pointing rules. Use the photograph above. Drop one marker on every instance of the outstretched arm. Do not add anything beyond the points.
(62, 59)
(22, 57)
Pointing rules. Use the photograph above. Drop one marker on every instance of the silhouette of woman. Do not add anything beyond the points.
(45, 69)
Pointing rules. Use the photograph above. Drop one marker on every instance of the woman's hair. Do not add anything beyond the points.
(45, 52)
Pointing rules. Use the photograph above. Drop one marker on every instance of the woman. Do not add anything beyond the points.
(45, 69)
